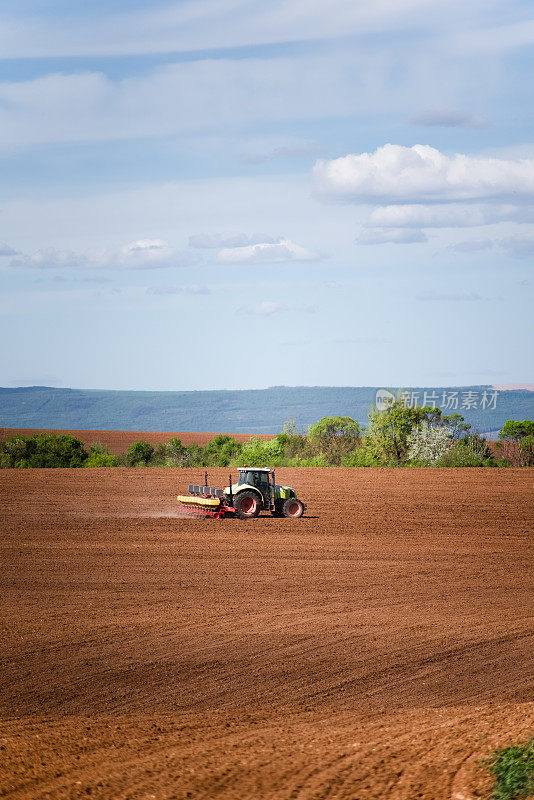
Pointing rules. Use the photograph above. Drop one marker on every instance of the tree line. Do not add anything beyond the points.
(396, 436)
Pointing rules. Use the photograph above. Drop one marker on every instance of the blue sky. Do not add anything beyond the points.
(235, 194)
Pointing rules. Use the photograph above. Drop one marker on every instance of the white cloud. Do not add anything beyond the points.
(194, 288)
(7, 250)
(391, 236)
(204, 98)
(363, 340)
(264, 309)
(140, 254)
(50, 258)
(518, 246)
(495, 39)
(268, 308)
(398, 173)
(472, 246)
(259, 154)
(449, 119)
(190, 25)
(453, 297)
(217, 240)
(181, 98)
(265, 252)
(455, 215)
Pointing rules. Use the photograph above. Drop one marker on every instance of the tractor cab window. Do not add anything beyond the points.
(252, 478)
(263, 480)
(246, 477)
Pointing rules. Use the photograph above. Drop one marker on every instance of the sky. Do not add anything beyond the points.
(235, 194)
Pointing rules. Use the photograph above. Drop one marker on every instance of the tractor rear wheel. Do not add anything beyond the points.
(247, 505)
(293, 508)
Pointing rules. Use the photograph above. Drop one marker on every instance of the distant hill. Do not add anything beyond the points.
(247, 411)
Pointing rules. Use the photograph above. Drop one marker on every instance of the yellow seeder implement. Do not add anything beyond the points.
(209, 503)
(205, 500)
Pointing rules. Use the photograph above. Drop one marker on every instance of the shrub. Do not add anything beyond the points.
(159, 456)
(360, 457)
(221, 451)
(98, 447)
(260, 452)
(526, 446)
(5, 461)
(43, 450)
(427, 445)
(100, 456)
(13, 450)
(195, 455)
(102, 460)
(139, 454)
(513, 453)
(294, 445)
(460, 455)
(513, 768)
(176, 454)
(310, 461)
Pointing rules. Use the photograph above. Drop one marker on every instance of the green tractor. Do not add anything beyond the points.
(256, 489)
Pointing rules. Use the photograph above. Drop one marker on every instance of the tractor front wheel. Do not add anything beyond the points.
(247, 505)
(293, 508)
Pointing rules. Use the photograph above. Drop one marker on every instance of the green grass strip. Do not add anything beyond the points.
(513, 768)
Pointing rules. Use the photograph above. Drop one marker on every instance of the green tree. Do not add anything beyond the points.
(334, 437)
(526, 446)
(513, 431)
(139, 454)
(43, 450)
(334, 427)
(100, 456)
(388, 434)
(159, 456)
(456, 425)
(262, 453)
(51, 450)
(13, 450)
(221, 450)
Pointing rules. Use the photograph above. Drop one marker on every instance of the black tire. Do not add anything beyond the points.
(247, 505)
(278, 510)
(293, 508)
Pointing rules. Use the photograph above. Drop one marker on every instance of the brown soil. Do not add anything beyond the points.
(379, 647)
(119, 441)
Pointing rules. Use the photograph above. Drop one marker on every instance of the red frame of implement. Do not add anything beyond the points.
(218, 513)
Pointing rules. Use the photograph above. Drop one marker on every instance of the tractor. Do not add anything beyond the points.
(255, 490)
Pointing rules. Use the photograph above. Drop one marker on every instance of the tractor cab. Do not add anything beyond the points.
(259, 478)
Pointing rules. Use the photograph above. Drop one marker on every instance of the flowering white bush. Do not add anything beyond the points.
(428, 444)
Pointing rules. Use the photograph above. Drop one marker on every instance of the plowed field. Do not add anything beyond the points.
(379, 647)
